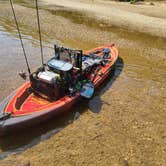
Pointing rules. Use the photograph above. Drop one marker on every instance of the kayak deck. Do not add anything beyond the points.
(25, 102)
(32, 103)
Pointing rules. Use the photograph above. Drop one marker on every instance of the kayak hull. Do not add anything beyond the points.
(21, 122)
(22, 119)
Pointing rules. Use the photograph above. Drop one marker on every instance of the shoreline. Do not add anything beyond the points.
(140, 18)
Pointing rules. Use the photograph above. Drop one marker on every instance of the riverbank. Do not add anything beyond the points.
(144, 17)
(123, 124)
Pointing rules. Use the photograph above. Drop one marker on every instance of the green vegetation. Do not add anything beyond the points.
(131, 1)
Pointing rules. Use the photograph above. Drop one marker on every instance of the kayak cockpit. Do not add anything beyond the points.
(64, 73)
(60, 76)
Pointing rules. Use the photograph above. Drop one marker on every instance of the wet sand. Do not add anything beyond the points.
(123, 124)
(143, 18)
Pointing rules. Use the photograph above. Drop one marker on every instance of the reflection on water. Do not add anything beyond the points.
(12, 60)
(20, 141)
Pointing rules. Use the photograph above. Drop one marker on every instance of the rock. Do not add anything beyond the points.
(151, 3)
(27, 163)
(77, 115)
(123, 162)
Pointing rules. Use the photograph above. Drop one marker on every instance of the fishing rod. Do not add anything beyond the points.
(38, 21)
(17, 26)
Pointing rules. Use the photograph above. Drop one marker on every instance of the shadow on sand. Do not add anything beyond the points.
(95, 104)
(20, 141)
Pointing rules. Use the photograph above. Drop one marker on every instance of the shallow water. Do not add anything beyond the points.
(11, 62)
(142, 78)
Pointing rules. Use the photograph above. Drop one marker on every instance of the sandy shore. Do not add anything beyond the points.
(146, 18)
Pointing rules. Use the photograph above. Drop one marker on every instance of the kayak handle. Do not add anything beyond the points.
(5, 116)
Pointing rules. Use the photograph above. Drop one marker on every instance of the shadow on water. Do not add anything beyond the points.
(20, 141)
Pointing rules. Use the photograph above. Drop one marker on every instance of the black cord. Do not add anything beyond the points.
(20, 36)
(38, 21)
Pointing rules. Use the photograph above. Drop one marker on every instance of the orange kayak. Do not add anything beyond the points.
(24, 108)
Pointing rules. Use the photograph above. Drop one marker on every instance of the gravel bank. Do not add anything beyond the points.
(141, 18)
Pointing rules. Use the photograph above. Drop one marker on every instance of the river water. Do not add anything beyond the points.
(139, 79)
